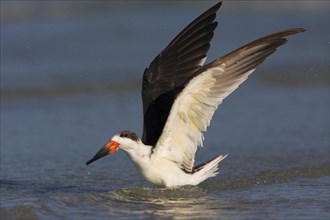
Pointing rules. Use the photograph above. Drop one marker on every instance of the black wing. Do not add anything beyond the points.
(180, 61)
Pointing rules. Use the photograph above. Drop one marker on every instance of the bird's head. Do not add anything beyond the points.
(125, 140)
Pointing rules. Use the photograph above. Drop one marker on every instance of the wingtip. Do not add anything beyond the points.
(301, 29)
(297, 30)
(292, 31)
(216, 6)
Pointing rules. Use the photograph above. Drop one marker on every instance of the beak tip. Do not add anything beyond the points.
(89, 162)
(108, 148)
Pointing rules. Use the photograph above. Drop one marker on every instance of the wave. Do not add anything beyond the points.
(233, 183)
(18, 212)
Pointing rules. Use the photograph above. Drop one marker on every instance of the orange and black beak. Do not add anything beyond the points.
(108, 148)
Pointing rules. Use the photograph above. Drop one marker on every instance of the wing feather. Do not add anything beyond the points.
(194, 107)
(165, 77)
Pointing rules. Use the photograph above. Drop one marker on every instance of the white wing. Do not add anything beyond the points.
(194, 107)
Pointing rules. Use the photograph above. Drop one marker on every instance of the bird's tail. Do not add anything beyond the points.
(207, 170)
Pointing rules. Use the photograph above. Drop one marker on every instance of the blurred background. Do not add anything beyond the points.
(55, 46)
(71, 76)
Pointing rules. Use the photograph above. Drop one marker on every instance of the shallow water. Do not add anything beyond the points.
(67, 86)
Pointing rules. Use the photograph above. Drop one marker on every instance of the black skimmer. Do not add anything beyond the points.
(180, 95)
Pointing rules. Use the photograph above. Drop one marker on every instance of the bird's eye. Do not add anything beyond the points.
(123, 135)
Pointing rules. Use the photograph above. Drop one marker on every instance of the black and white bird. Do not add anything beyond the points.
(180, 95)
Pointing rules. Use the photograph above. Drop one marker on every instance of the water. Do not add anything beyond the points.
(70, 78)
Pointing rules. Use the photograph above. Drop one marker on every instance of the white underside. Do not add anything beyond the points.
(166, 173)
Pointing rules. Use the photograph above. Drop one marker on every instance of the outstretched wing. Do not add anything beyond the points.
(171, 69)
(194, 107)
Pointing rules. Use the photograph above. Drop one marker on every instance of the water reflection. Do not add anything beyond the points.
(180, 203)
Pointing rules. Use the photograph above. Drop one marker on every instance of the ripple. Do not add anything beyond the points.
(159, 194)
(267, 177)
(18, 212)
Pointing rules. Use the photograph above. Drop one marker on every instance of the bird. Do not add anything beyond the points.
(180, 94)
